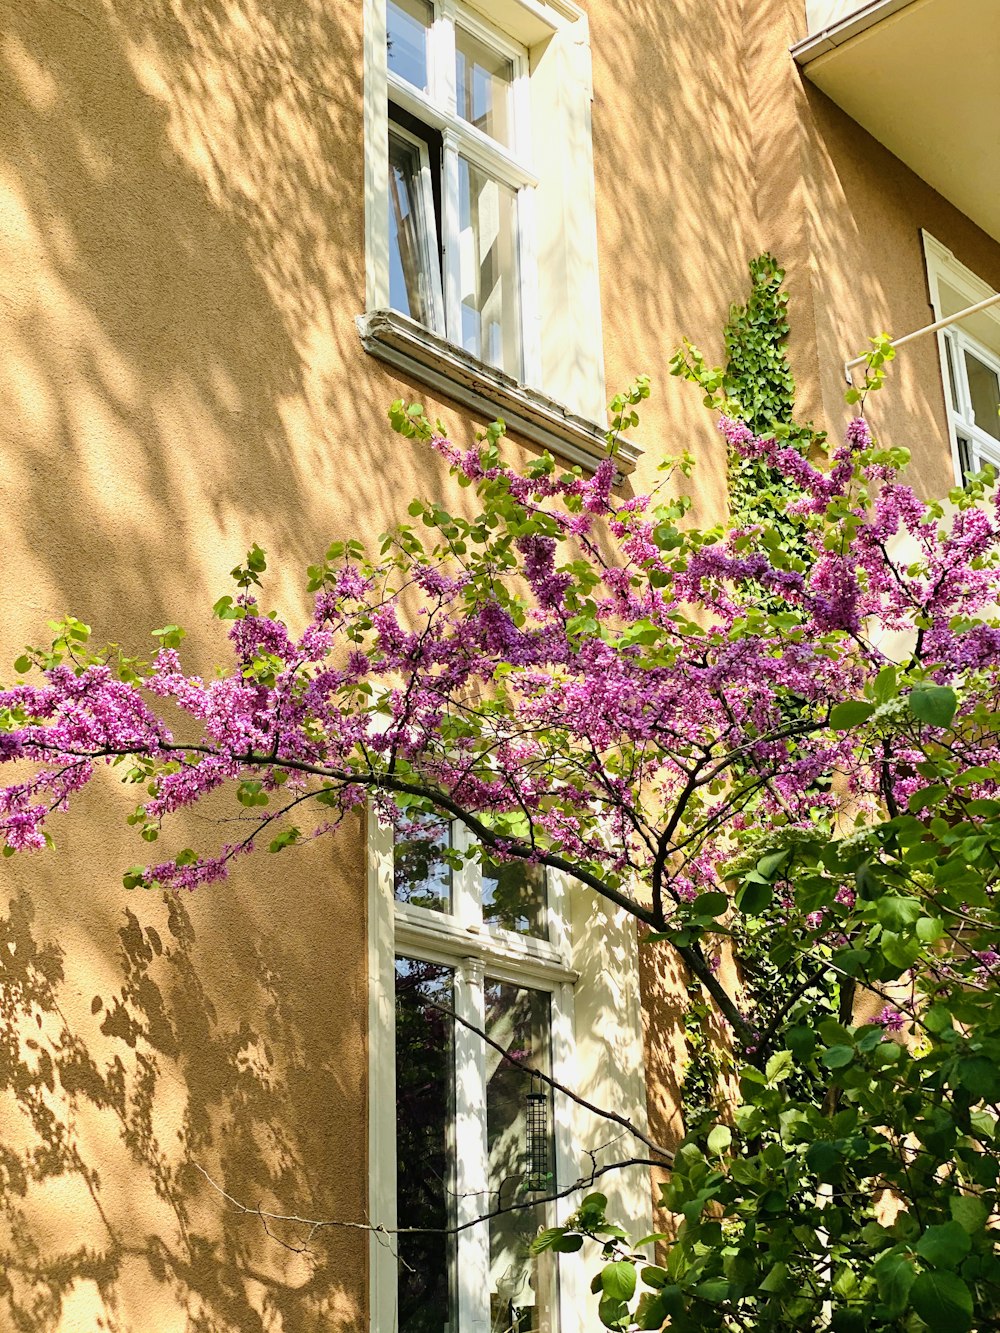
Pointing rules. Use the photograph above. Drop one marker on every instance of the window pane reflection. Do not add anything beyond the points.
(407, 22)
(422, 877)
(522, 1287)
(425, 1098)
(488, 269)
(483, 80)
(515, 897)
(984, 391)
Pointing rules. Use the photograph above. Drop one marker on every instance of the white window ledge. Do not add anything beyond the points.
(488, 392)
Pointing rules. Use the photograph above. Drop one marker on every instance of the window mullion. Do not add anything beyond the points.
(471, 1152)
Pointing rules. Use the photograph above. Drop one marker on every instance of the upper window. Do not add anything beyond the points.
(970, 359)
(480, 223)
(459, 248)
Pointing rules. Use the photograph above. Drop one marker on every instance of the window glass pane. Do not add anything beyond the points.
(407, 22)
(521, 1158)
(425, 1191)
(412, 245)
(421, 875)
(483, 81)
(488, 269)
(984, 392)
(515, 897)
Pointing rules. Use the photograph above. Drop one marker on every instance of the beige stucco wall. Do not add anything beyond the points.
(181, 261)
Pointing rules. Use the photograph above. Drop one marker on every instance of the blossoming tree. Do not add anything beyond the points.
(781, 750)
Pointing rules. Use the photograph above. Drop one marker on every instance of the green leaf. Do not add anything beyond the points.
(710, 904)
(980, 1076)
(719, 1139)
(613, 1314)
(753, 897)
(944, 1246)
(969, 1212)
(618, 1280)
(22, 664)
(894, 1276)
(933, 704)
(654, 1310)
(896, 912)
(838, 1056)
(568, 1244)
(930, 929)
(776, 1278)
(801, 1041)
(714, 1289)
(886, 684)
(850, 714)
(769, 865)
(943, 1302)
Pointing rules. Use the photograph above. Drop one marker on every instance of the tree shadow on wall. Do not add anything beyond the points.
(104, 1133)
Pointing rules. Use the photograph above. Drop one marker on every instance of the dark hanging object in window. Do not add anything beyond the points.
(536, 1138)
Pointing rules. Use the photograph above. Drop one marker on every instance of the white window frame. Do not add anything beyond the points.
(509, 165)
(943, 269)
(427, 242)
(580, 1042)
(561, 344)
(982, 447)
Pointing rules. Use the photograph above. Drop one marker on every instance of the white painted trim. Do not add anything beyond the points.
(376, 157)
(943, 266)
(428, 241)
(488, 392)
(611, 1045)
(382, 1279)
(851, 25)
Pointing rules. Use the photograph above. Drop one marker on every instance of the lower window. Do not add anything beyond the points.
(441, 1107)
(475, 974)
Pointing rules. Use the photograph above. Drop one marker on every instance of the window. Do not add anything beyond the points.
(473, 1133)
(970, 358)
(480, 228)
(973, 384)
(459, 244)
(457, 1130)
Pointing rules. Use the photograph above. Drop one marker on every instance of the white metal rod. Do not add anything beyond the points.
(929, 328)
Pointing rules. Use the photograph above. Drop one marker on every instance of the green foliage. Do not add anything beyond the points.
(855, 1187)
(758, 388)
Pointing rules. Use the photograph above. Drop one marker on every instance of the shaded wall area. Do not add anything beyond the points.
(152, 1054)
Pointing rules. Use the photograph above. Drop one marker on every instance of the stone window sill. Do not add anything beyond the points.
(451, 371)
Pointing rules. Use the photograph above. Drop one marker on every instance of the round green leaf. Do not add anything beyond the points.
(754, 897)
(850, 714)
(943, 1302)
(933, 704)
(838, 1056)
(944, 1246)
(618, 1280)
(720, 1139)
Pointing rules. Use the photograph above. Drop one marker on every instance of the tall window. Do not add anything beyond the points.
(970, 358)
(974, 395)
(459, 180)
(472, 1132)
